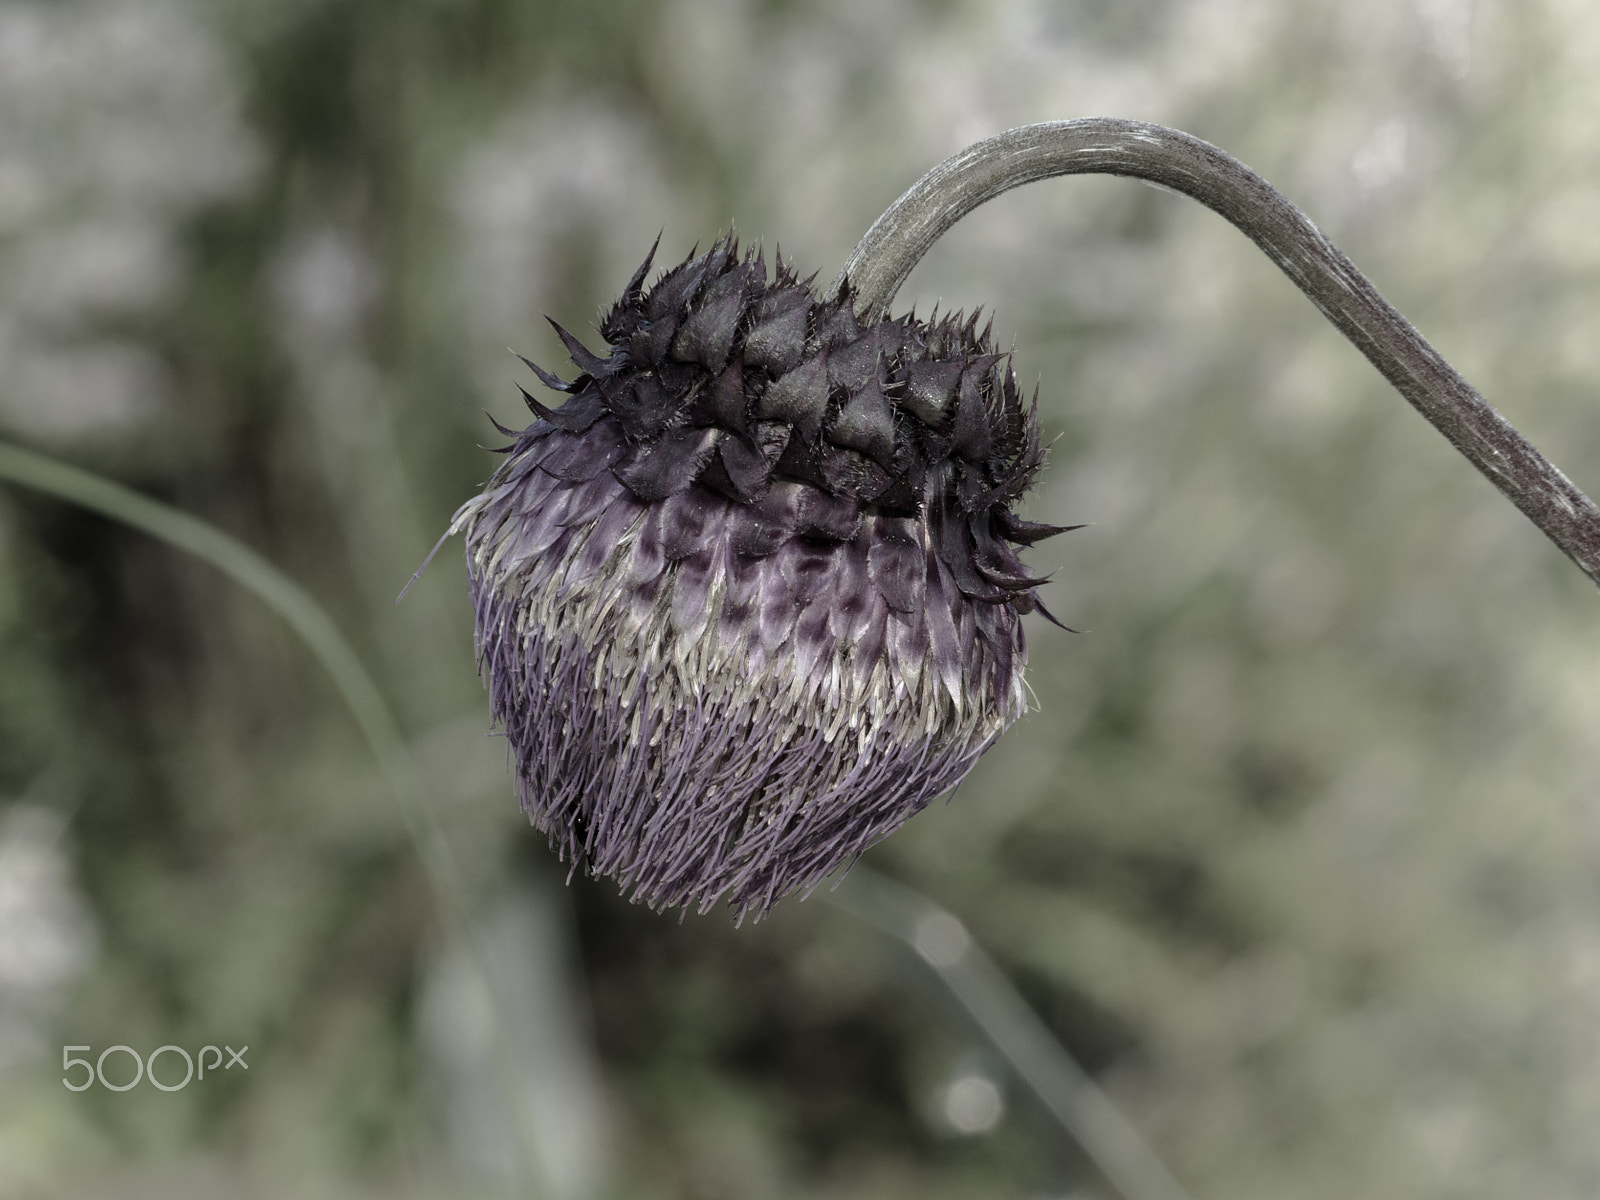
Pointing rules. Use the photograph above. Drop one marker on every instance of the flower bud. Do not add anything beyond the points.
(750, 597)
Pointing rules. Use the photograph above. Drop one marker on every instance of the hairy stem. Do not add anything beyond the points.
(898, 240)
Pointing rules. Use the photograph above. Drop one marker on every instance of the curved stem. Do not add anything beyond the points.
(899, 238)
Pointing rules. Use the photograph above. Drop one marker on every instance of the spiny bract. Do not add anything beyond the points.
(749, 598)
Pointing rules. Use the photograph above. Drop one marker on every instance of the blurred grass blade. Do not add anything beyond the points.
(285, 597)
(940, 939)
(314, 627)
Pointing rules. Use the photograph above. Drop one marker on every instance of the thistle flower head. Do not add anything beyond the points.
(750, 597)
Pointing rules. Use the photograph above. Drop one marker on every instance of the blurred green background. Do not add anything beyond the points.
(1298, 854)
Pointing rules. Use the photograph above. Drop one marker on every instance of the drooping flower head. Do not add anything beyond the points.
(750, 597)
